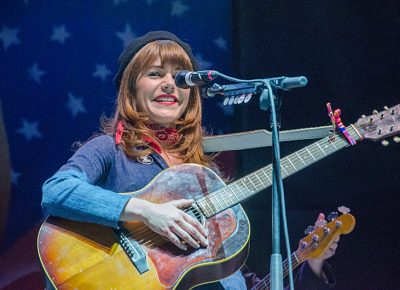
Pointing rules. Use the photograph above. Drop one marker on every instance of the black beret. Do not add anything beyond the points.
(139, 42)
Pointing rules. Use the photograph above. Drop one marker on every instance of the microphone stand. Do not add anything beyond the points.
(270, 99)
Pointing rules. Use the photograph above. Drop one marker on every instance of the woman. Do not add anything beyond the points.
(156, 125)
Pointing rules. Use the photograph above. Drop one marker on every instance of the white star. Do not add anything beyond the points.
(9, 36)
(116, 2)
(204, 64)
(126, 36)
(75, 105)
(101, 71)
(29, 130)
(60, 34)
(178, 8)
(15, 176)
(221, 43)
(35, 73)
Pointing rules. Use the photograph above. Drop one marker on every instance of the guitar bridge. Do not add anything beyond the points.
(132, 250)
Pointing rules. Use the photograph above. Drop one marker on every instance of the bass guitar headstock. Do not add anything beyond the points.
(381, 125)
(320, 236)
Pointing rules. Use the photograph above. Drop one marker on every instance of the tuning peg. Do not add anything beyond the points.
(363, 116)
(309, 230)
(385, 142)
(320, 223)
(332, 216)
(375, 112)
(315, 238)
(396, 139)
(386, 108)
(343, 210)
(338, 224)
(326, 231)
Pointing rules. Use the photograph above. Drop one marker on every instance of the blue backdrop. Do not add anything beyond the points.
(57, 62)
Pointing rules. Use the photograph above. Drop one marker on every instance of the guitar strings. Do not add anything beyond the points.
(265, 282)
(143, 234)
(316, 150)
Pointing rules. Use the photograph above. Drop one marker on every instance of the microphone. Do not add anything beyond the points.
(186, 79)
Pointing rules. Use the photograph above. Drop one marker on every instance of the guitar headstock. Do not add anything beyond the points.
(318, 240)
(380, 125)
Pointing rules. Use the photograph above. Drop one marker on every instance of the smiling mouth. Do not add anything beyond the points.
(166, 99)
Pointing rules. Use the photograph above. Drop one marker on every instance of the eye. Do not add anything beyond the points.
(154, 73)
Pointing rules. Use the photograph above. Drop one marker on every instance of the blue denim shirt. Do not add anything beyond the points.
(86, 188)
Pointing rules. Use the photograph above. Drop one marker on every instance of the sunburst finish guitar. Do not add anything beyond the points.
(315, 244)
(77, 255)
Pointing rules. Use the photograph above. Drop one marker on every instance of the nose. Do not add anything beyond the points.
(168, 85)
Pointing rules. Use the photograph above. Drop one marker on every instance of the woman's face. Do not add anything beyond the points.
(159, 97)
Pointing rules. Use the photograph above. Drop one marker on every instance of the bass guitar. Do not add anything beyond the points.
(77, 255)
(315, 244)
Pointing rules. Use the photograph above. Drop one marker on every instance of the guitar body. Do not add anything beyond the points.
(78, 255)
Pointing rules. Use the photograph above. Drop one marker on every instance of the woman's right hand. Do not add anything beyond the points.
(169, 220)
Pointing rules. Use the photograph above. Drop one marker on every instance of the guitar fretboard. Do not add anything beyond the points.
(261, 179)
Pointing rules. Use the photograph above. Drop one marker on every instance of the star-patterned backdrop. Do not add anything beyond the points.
(57, 62)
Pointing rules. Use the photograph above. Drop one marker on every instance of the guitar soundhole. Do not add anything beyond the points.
(195, 212)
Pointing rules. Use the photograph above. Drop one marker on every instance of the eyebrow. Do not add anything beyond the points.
(162, 67)
(155, 66)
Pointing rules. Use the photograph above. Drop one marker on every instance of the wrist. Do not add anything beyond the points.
(316, 266)
(134, 210)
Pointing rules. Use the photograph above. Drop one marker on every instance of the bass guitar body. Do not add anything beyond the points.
(78, 255)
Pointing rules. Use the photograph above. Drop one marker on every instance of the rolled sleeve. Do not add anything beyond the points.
(67, 194)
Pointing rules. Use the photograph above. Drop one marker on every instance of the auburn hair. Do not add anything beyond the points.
(189, 145)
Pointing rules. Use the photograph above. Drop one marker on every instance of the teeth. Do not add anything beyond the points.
(165, 99)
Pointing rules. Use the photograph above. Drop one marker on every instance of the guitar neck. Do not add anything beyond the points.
(264, 283)
(261, 179)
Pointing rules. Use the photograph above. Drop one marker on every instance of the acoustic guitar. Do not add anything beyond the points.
(77, 255)
(315, 244)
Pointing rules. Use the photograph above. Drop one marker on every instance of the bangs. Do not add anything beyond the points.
(173, 53)
(169, 52)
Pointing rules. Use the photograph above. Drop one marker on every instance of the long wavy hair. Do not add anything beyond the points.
(189, 146)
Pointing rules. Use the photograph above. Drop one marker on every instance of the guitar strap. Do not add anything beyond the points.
(260, 138)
